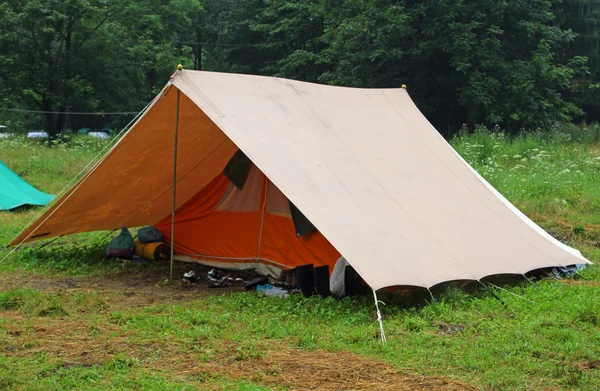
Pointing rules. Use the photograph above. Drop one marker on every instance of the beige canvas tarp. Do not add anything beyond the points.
(363, 165)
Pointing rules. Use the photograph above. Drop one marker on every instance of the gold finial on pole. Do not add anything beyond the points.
(404, 86)
(179, 67)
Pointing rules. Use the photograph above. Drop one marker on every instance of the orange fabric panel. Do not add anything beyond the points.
(132, 185)
(280, 244)
(233, 236)
(201, 230)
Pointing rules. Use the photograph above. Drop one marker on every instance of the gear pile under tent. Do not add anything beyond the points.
(282, 173)
(16, 192)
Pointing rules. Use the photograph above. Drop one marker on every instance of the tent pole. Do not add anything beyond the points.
(174, 189)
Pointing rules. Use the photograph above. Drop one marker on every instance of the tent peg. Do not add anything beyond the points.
(382, 331)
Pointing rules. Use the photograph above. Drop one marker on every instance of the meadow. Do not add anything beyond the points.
(71, 319)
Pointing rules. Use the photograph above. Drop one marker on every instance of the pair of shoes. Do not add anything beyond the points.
(191, 276)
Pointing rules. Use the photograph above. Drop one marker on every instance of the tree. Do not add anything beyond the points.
(517, 63)
(583, 18)
(46, 51)
(495, 61)
(465, 62)
(91, 54)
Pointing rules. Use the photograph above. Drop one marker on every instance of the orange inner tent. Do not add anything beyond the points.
(224, 224)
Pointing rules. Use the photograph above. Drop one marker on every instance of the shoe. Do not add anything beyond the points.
(191, 276)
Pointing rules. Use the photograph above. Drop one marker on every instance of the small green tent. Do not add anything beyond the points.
(15, 192)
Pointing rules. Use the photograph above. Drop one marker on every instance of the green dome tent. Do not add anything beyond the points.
(15, 192)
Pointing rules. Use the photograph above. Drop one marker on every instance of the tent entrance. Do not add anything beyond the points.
(231, 227)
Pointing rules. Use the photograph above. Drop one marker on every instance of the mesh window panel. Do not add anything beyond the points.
(278, 203)
(246, 200)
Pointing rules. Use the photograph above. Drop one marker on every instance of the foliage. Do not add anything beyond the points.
(583, 17)
(491, 62)
(520, 64)
(93, 55)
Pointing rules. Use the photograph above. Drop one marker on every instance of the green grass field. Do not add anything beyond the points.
(70, 319)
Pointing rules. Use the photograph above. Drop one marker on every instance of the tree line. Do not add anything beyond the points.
(521, 64)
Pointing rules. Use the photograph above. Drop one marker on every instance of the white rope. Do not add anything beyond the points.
(383, 340)
(116, 141)
(433, 300)
(509, 292)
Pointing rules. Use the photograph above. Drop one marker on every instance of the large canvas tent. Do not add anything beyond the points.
(364, 166)
(16, 192)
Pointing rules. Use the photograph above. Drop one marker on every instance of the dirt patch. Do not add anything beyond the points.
(319, 370)
(449, 328)
(126, 290)
(570, 281)
(590, 365)
(75, 343)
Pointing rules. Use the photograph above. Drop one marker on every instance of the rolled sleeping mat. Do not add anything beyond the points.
(156, 251)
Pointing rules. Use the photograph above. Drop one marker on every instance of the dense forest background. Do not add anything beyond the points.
(519, 64)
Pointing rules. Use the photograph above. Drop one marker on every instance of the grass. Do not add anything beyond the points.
(112, 328)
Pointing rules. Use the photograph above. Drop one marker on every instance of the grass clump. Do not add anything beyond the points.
(32, 302)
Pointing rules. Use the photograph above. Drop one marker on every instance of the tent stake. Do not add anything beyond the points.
(174, 188)
(379, 316)
(492, 292)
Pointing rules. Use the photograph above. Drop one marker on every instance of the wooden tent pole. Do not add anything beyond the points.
(174, 188)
